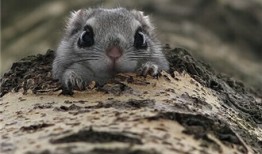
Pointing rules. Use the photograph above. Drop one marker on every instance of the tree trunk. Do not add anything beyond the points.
(191, 109)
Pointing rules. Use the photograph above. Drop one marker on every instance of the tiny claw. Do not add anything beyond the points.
(72, 81)
(149, 69)
(66, 91)
(80, 84)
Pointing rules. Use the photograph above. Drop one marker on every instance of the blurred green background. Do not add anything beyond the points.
(224, 33)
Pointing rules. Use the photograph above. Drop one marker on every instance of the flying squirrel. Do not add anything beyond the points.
(99, 43)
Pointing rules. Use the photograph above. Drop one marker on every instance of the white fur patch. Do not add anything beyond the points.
(91, 21)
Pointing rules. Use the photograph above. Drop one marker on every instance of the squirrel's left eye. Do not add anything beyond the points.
(140, 40)
(86, 39)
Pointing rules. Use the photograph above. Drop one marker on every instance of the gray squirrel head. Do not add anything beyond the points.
(98, 43)
(109, 39)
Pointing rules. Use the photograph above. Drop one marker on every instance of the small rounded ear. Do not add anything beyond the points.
(144, 20)
(77, 21)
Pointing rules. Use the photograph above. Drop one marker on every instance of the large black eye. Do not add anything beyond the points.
(86, 39)
(140, 41)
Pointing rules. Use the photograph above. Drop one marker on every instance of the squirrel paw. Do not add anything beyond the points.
(149, 69)
(72, 81)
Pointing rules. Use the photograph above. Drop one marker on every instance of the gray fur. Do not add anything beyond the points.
(75, 67)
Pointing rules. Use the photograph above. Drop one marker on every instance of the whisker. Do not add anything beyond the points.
(83, 60)
(146, 54)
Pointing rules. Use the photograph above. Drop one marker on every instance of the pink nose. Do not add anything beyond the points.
(114, 53)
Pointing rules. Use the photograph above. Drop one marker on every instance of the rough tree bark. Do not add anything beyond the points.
(191, 109)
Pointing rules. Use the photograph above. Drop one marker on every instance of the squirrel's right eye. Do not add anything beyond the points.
(86, 38)
(139, 40)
